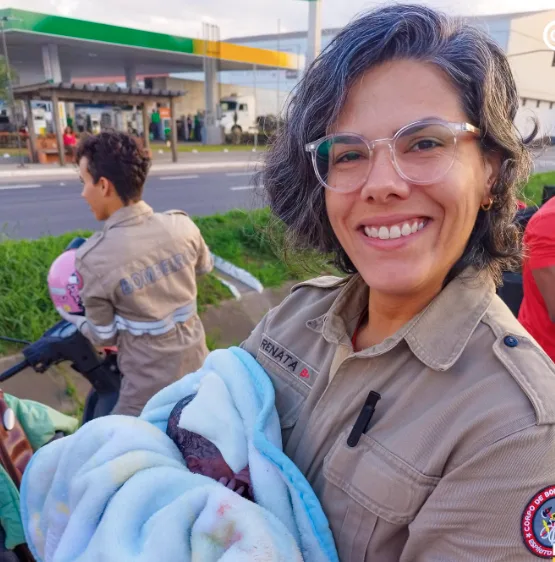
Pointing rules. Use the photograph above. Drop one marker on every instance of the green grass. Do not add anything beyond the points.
(532, 193)
(155, 146)
(13, 151)
(244, 238)
(211, 291)
(78, 402)
(182, 147)
(25, 306)
(212, 341)
(251, 240)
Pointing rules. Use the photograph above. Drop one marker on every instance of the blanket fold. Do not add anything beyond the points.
(119, 490)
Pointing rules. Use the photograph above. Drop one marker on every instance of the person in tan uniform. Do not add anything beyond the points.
(418, 408)
(139, 274)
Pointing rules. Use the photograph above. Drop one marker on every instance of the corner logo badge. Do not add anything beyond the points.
(549, 35)
(538, 524)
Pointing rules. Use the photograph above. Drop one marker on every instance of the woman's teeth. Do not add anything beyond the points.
(395, 231)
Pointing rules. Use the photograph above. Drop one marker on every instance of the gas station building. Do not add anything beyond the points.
(52, 53)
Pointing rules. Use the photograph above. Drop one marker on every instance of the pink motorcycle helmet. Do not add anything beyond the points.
(65, 283)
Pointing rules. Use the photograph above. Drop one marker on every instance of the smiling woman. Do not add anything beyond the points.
(418, 407)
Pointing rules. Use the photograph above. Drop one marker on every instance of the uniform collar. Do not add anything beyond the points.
(437, 336)
(128, 213)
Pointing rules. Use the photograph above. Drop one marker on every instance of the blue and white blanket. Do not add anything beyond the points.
(118, 489)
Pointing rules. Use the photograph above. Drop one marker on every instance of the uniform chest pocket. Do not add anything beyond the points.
(370, 496)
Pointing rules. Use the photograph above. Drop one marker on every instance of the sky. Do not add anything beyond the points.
(244, 17)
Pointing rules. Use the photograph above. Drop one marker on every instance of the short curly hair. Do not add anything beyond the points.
(188, 442)
(117, 157)
(477, 67)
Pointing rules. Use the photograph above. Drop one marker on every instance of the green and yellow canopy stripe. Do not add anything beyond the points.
(58, 26)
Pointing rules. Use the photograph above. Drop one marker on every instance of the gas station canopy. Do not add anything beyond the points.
(89, 49)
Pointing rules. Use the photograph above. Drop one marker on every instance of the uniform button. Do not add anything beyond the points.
(510, 341)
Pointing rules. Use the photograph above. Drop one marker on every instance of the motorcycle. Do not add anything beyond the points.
(61, 343)
(64, 343)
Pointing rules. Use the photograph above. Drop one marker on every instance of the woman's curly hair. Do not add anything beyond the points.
(477, 67)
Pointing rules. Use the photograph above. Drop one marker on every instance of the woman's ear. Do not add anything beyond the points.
(492, 163)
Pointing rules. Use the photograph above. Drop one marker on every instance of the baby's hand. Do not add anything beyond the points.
(233, 485)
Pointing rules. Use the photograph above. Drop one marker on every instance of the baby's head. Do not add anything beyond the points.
(200, 454)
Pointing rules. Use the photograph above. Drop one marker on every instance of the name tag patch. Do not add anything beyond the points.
(287, 360)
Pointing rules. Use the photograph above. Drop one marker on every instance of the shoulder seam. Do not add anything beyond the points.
(494, 442)
(543, 415)
(529, 390)
(89, 245)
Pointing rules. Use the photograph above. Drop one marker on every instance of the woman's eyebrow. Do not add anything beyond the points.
(428, 118)
(334, 130)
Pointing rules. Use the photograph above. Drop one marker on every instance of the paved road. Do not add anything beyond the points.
(30, 208)
(33, 208)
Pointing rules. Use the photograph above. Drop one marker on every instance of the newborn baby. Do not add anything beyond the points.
(203, 457)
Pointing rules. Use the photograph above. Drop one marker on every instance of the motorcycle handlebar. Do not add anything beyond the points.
(8, 373)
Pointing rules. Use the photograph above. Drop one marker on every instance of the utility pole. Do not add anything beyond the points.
(11, 100)
(278, 71)
(314, 31)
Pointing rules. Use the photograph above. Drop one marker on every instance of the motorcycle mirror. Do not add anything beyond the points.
(75, 243)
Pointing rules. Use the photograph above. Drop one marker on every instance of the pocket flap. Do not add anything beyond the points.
(377, 479)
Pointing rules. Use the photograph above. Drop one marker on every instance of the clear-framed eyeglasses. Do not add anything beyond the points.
(421, 152)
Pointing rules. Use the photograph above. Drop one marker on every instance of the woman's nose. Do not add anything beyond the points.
(384, 182)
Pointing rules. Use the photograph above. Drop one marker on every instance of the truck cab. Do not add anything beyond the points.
(237, 114)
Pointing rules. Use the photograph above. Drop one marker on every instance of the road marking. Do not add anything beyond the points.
(237, 174)
(29, 186)
(170, 178)
(242, 187)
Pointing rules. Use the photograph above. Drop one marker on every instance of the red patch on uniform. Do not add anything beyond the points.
(305, 374)
(538, 524)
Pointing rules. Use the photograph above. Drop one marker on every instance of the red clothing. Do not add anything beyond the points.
(539, 240)
(70, 140)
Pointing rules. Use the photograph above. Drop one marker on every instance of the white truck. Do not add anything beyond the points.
(239, 113)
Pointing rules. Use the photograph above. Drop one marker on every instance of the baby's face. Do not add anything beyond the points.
(217, 469)
(214, 467)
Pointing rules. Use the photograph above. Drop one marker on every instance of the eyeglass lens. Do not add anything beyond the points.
(422, 153)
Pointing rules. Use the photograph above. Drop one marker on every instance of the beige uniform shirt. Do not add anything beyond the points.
(140, 292)
(460, 445)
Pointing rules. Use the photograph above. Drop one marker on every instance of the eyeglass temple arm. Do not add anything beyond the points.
(466, 128)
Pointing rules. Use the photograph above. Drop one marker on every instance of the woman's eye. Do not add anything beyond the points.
(348, 157)
(424, 144)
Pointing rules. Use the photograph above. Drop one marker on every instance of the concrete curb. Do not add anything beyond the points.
(156, 168)
(237, 273)
(234, 290)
